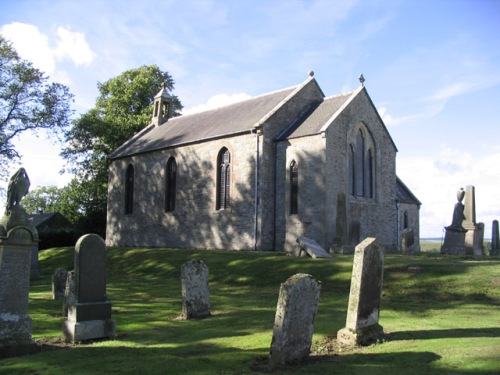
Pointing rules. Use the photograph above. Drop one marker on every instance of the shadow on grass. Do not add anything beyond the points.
(444, 333)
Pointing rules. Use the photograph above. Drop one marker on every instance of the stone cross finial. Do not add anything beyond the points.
(362, 79)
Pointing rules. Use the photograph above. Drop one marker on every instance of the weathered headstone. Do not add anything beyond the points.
(294, 320)
(312, 248)
(69, 293)
(17, 239)
(362, 323)
(59, 283)
(475, 231)
(35, 265)
(90, 316)
(408, 241)
(195, 290)
(495, 241)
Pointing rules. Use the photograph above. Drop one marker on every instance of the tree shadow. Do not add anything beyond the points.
(444, 333)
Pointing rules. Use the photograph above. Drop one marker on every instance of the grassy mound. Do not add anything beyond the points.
(441, 316)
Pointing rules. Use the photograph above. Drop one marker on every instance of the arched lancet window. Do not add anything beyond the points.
(370, 175)
(352, 172)
(129, 189)
(405, 220)
(360, 164)
(170, 184)
(294, 188)
(223, 179)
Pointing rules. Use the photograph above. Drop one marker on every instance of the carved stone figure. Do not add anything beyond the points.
(19, 185)
(458, 212)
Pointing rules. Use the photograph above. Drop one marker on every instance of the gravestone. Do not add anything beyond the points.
(69, 292)
(195, 290)
(59, 283)
(312, 248)
(495, 241)
(408, 241)
(475, 231)
(17, 239)
(35, 265)
(362, 323)
(90, 316)
(294, 320)
(454, 238)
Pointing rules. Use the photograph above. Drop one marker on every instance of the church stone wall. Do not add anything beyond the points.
(376, 215)
(195, 223)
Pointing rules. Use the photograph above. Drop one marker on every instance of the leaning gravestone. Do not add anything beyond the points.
(17, 239)
(90, 316)
(364, 299)
(294, 320)
(311, 248)
(495, 241)
(195, 290)
(69, 298)
(59, 283)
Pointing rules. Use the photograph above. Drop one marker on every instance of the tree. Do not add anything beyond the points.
(28, 102)
(53, 199)
(123, 108)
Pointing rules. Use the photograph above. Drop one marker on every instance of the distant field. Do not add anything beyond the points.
(434, 246)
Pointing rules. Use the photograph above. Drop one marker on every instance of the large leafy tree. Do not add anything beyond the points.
(28, 102)
(123, 108)
(53, 199)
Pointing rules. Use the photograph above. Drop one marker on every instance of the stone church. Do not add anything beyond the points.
(258, 174)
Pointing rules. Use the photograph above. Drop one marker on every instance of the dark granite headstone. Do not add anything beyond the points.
(495, 241)
(90, 316)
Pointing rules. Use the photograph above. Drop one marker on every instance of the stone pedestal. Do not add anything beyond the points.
(15, 262)
(454, 241)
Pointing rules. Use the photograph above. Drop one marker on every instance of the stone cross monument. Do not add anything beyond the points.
(17, 239)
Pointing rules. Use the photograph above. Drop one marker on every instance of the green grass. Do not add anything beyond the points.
(442, 320)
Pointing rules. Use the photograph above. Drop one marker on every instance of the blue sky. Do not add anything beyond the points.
(432, 69)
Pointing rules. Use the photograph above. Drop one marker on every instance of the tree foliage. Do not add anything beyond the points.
(123, 108)
(53, 199)
(28, 102)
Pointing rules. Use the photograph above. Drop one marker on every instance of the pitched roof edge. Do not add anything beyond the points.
(291, 95)
(399, 181)
(130, 141)
(341, 109)
(199, 140)
(380, 118)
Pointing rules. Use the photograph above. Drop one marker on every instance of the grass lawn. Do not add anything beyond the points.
(444, 319)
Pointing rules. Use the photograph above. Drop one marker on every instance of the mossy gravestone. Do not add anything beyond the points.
(294, 320)
(195, 290)
(90, 316)
(364, 299)
(18, 237)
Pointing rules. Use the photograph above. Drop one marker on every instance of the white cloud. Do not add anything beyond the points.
(73, 45)
(34, 46)
(216, 101)
(436, 179)
(30, 44)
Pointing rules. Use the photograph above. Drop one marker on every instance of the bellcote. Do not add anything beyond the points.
(162, 109)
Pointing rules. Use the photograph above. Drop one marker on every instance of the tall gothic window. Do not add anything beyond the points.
(223, 179)
(294, 188)
(170, 184)
(360, 164)
(129, 189)
(370, 182)
(352, 171)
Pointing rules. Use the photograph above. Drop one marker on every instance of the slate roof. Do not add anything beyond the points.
(312, 121)
(404, 194)
(232, 119)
